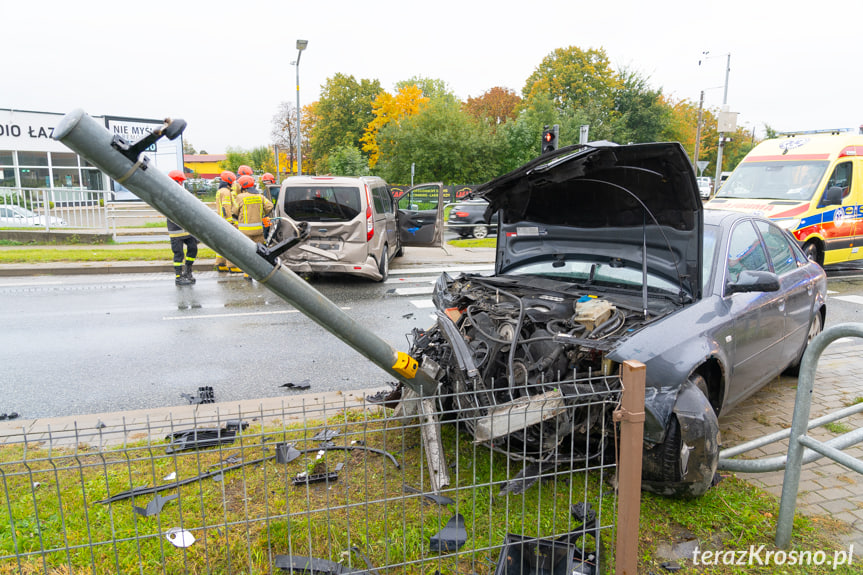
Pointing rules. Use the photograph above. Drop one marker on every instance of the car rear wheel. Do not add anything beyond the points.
(813, 251)
(480, 232)
(384, 266)
(815, 328)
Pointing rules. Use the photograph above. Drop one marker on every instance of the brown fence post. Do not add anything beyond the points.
(631, 418)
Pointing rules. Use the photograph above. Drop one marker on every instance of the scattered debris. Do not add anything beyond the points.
(305, 477)
(309, 565)
(439, 499)
(12, 415)
(452, 537)
(671, 566)
(205, 395)
(326, 435)
(154, 507)
(202, 438)
(408, 315)
(180, 537)
(170, 477)
(286, 452)
(386, 398)
(528, 475)
(100, 424)
(305, 384)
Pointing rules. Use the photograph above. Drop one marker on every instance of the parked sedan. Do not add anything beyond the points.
(13, 216)
(605, 254)
(468, 218)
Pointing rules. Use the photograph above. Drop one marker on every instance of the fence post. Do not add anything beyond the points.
(631, 418)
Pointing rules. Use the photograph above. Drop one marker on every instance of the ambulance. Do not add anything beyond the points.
(810, 184)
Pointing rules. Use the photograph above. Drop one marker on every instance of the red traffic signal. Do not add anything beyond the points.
(549, 139)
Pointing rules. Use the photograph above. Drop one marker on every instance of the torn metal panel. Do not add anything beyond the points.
(519, 414)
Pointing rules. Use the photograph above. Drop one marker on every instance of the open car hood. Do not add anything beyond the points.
(603, 203)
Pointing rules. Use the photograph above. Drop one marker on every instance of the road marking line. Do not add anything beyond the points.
(850, 298)
(414, 290)
(422, 303)
(247, 314)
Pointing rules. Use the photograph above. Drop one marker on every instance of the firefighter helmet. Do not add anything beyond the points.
(244, 171)
(227, 177)
(268, 178)
(246, 182)
(177, 176)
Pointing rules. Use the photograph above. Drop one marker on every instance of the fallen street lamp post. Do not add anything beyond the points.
(122, 162)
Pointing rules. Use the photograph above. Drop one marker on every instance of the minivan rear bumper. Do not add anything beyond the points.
(368, 269)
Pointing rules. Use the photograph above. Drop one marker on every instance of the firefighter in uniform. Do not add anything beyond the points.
(183, 244)
(267, 180)
(225, 207)
(250, 208)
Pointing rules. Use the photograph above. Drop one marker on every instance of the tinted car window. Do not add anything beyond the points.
(777, 247)
(322, 204)
(378, 200)
(745, 251)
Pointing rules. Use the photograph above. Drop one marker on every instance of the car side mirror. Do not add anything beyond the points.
(750, 281)
(833, 196)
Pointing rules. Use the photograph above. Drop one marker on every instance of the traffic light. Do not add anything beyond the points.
(549, 139)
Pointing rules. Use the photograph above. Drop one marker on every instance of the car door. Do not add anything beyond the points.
(795, 284)
(838, 222)
(758, 324)
(419, 215)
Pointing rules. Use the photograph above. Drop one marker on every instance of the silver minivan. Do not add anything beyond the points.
(355, 224)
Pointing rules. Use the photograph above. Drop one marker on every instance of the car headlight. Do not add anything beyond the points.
(788, 224)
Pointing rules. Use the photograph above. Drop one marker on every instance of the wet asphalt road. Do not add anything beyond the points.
(79, 344)
(89, 344)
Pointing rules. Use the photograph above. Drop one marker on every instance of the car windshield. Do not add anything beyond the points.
(594, 273)
(784, 180)
(322, 203)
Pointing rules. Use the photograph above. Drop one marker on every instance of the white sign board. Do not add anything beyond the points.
(165, 155)
(29, 131)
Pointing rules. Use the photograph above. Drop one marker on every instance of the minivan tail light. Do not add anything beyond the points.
(370, 220)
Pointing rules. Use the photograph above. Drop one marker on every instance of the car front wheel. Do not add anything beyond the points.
(814, 252)
(480, 232)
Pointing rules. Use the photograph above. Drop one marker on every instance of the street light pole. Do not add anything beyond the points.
(718, 179)
(301, 45)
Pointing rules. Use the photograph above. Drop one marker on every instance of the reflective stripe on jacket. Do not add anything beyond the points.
(224, 204)
(250, 210)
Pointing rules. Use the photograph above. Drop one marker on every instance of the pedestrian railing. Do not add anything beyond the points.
(53, 209)
(802, 448)
(325, 486)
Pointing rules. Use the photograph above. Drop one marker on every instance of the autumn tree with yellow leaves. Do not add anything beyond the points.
(387, 108)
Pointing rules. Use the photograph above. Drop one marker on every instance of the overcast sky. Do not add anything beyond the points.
(225, 66)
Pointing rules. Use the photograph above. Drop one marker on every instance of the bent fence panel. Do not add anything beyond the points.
(315, 486)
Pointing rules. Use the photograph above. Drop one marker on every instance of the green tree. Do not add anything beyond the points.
(444, 143)
(235, 157)
(342, 114)
(576, 78)
(347, 161)
(642, 110)
(188, 148)
(432, 88)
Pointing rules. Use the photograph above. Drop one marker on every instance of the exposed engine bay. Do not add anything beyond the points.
(503, 343)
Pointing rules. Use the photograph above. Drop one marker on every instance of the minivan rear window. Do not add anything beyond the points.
(322, 203)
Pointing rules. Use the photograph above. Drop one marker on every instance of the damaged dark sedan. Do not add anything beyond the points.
(605, 254)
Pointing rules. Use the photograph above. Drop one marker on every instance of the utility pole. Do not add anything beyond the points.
(718, 179)
(698, 127)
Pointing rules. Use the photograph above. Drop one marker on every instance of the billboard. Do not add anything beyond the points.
(165, 155)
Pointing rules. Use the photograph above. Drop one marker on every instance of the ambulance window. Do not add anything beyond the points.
(841, 177)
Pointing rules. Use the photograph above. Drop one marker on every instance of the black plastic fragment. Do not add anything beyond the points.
(311, 565)
(206, 437)
(326, 435)
(154, 507)
(305, 384)
(671, 566)
(286, 452)
(12, 415)
(528, 475)
(452, 537)
(386, 398)
(305, 478)
(205, 395)
(439, 499)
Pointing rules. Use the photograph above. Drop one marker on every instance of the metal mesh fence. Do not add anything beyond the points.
(317, 487)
